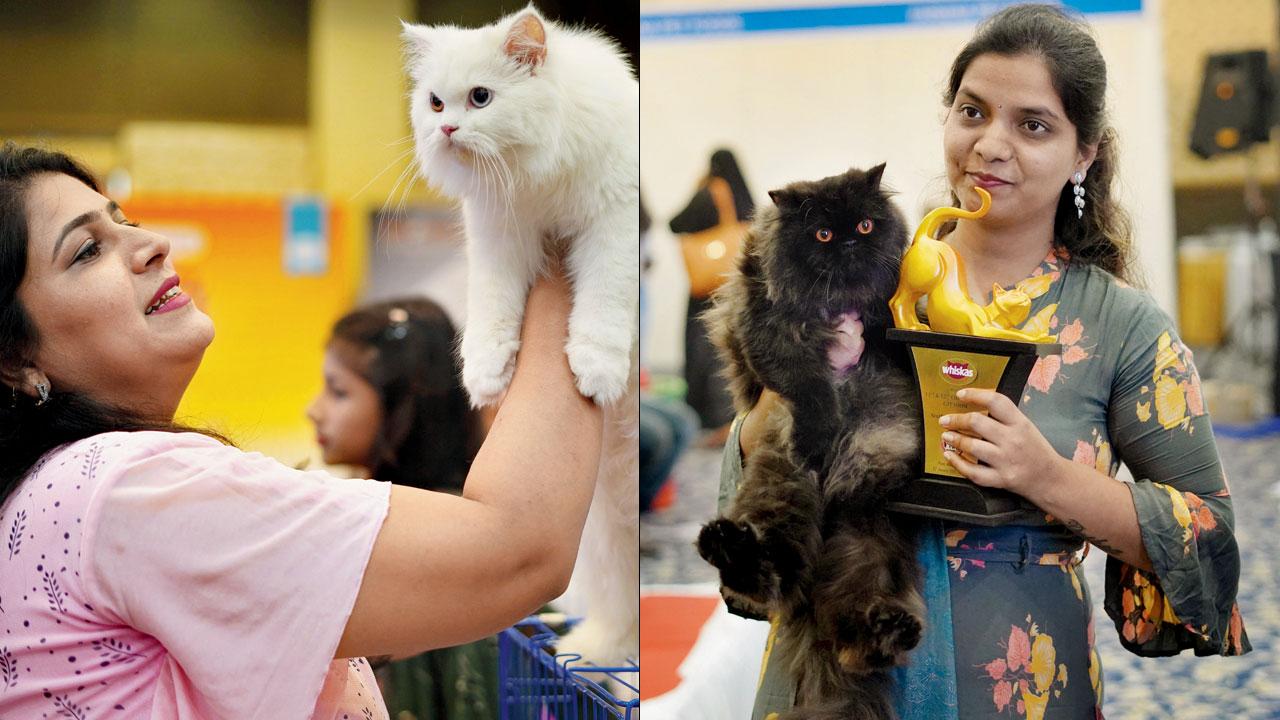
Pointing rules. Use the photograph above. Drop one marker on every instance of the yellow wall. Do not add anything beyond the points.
(264, 365)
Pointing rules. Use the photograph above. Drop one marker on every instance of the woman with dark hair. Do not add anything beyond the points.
(1009, 630)
(152, 571)
(392, 406)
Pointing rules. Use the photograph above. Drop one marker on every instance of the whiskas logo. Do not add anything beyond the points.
(958, 372)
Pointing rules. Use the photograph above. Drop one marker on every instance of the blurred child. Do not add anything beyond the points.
(393, 408)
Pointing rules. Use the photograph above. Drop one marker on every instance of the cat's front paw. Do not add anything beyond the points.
(734, 548)
(487, 369)
(600, 369)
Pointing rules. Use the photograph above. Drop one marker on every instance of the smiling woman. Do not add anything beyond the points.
(95, 283)
(163, 573)
(1009, 627)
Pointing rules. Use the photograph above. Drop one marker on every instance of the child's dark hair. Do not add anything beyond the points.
(404, 348)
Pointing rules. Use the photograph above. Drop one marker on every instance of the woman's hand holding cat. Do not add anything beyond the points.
(754, 424)
(1000, 448)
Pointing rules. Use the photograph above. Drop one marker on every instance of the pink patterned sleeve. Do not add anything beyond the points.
(245, 569)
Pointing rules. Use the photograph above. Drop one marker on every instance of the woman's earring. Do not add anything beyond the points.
(1078, 181)
(43, 390)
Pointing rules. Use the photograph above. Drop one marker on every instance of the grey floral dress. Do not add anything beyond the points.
(1124, 389)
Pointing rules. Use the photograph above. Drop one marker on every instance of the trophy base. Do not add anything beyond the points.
(943, 363)
(961, 501)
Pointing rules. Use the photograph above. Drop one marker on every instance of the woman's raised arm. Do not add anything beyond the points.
(446, 569)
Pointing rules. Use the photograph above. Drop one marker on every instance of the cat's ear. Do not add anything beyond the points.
(874, 175)
(784, 199)
(526, 41)
(418, 41)
(417, 38)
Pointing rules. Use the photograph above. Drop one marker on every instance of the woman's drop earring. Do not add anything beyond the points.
(43, 390)
(1078, 181)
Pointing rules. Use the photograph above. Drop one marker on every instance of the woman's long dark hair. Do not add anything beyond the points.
(1103, 237)
(29, 431)
(405, 349)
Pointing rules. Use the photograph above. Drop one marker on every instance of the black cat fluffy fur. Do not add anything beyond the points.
(806, 539)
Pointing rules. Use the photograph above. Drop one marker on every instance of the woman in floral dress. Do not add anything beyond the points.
(1026, 121)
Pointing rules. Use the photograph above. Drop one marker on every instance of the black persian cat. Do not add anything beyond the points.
(806, 539)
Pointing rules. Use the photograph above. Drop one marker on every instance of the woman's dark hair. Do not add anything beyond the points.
(1079, 75)
(404, 348)
(29, 431)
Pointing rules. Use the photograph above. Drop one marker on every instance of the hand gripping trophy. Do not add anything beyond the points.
(964, 344)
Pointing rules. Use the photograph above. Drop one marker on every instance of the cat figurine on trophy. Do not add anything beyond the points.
(964, 344)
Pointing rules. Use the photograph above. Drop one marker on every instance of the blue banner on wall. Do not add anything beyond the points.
(306, 236)
(788, 19)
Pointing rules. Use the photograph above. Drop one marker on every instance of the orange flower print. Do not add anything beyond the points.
(1145, 607)
(1235, 631)
(1096, 454)
(1045, 372)
(1048, 369)
(1028, 675)
(1084, 454)
(1201, 517)
(1072, 333)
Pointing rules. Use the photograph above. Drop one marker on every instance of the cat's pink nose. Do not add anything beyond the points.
(448, 129)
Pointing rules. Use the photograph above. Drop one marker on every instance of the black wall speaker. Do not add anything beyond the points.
(1235, 103)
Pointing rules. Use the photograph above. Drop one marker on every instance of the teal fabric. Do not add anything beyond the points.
(927, 686)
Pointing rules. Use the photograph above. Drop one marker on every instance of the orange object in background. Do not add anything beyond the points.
(264, 364)
(669, 626)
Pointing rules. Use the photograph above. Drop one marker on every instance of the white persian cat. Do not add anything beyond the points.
(535, 127)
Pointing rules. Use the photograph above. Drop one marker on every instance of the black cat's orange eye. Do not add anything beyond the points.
(866, 226)
(824, 235)
(436, 103)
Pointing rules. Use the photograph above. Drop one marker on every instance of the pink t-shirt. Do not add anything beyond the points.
(162, 575)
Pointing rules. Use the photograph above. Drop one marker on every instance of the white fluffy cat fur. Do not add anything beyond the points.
(534, 126)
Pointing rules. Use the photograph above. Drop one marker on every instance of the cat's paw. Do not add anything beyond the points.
(600, 370)
(894, 633)
(881, 639)
(487, 369)
(601, 643)
(734, 548)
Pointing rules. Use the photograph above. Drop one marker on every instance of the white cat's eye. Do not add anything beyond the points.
(480, 96)
(866, 226)
(824, 235)
(436, 103)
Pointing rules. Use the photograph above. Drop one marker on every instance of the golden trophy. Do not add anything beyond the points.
(964, 345)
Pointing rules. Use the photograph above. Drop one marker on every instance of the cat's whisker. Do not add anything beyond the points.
(381, 172)
(408, 187)
(383, 215)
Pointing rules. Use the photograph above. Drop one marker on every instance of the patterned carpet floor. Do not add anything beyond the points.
(1182, 687)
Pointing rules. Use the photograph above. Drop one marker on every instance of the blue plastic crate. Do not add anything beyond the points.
(534, 684)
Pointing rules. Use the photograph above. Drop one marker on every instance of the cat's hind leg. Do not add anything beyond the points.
(866, 597)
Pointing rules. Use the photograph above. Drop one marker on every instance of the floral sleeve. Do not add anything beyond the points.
(1160, 429)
